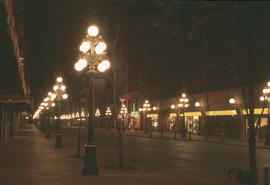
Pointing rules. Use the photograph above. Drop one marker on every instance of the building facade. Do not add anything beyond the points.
(15, 98)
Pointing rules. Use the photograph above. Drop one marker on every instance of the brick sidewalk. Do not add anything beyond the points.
(31, 159)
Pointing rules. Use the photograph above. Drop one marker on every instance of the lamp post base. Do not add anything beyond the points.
(58, 142)
(90, 163)
(267, 139)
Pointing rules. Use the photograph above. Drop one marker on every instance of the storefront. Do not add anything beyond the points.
(154, 121)
(192, 124)
(134, 120)
(171, 122)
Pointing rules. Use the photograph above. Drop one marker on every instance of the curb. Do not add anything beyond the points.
(194, 140)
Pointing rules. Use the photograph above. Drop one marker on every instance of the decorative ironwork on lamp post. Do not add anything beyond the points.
(92, 60)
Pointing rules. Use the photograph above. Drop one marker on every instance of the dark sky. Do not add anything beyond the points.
(175, 38)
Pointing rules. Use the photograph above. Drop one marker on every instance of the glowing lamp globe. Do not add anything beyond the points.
(64, 96)
(100, 47)
(63, 87)
(232, 101)
(104, 65)
(84, 47)
(59, 79)
(53, 96)
(93, 31)
(55, 87)
(80, 65)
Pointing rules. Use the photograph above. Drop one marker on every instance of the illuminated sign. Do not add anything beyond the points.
(152, 115)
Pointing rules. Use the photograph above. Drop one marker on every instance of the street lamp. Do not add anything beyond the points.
(59, 94)
(266, 99)
(146, 108)
(92, 61)
(97, 114)
(155, 110)
(123, 113)
(48, 103)
(232, 101)
(197, 104)
(108, 114)
(183, 103)
(173, 108)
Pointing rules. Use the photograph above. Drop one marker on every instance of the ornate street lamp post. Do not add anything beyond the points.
(108, 114)
(59, 94)
(48, 103)
(92, 60)
(198, 105)
(146, 109)
(123, 113)
(173, 108)
(154, 110)
(233, 103)
(182, 105)
(97, 114)
(266, 92)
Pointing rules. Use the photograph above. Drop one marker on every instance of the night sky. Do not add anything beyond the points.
(176, 41)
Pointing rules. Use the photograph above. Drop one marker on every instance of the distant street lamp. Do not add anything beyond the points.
(92, 61)
(173, 108)
(182, 105)
(97, 114)
(232, 101)
(48, 103)
(146, 109)
(266, 98)
(198, 105)
(108, 114)
(59, 94)
(154, 109)
(123, 113)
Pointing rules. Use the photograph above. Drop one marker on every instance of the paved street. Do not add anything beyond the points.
(34, 160)
(207, 162)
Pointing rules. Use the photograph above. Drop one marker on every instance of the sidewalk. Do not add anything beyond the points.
(31, 159)
(243, 142)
